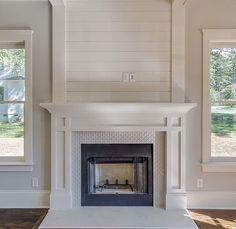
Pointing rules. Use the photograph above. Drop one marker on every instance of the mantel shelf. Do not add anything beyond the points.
(98, 109)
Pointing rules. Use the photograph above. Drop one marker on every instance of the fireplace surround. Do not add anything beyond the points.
(116, 175)
(117, 123)
(114, 117)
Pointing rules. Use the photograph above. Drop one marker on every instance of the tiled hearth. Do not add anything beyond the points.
(162, 125)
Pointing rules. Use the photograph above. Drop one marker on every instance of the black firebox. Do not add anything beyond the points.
(117, 175)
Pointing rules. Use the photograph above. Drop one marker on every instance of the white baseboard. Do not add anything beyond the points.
(176, 201)
(24, 199)
(211, 200)
(40, 199)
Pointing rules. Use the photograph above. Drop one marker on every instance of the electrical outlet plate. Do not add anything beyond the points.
(131, 77)
(200, 183)
(35, 182)
(128, 77)
(125, 77)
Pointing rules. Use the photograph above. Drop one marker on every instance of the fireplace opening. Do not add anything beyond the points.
(117, 175)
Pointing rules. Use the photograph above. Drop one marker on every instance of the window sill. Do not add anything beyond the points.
(221, 167)
(16, 167)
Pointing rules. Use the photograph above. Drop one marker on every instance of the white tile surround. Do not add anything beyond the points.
(127, 137)
(73, 124)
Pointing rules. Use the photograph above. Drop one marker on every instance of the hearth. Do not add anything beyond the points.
(117, 175)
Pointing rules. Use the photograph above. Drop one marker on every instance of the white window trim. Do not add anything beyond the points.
(22, 163)
(209, 163)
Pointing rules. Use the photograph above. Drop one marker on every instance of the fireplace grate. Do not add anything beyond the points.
(115, 186)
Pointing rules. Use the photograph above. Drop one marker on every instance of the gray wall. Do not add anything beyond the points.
(36, 16)
(203, 14)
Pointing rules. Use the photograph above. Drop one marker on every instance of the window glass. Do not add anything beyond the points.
(223, 101)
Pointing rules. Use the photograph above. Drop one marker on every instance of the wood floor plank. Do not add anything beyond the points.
(21, 218)
(214, 219)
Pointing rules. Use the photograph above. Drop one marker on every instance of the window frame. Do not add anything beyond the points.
(209, 163)
(2, 99)
(24, 163)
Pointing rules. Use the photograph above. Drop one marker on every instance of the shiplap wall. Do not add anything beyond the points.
(108, 37)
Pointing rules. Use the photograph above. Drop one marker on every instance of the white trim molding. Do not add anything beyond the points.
(167, 117)
(58, 52)
(224, 167)
(178, 51)
(213, 38)
(24, 199)
(6, 163)
(211, 200)
(16, 167)
(53, 2)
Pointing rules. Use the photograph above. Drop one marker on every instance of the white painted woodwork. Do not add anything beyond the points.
(58, 51)
(211, 200)
(115, 77)
(178, 51)
(56, 2)
(211, 38)
(53, 2)
(122, 5)
(118, 46)
(118, 96)
(167, 117)
(22, 163)
(119, 66)
(118, 16)
(117, 87)
(119, 26)
(24, 198)
(106, 38)
(118, 56)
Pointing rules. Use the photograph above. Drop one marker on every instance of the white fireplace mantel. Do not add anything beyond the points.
(166, 117)
(75, 109)
(97, 116)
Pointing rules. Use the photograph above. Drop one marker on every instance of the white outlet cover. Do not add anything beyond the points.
(125, 77)
(132, 77)
(35, 182)
(200, 183)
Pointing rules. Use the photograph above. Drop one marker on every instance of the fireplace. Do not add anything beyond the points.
(117, 175)
(73, 186)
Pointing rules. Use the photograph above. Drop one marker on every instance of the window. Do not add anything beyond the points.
(15, 100)
(219, 100)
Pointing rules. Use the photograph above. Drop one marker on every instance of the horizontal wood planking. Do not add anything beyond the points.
(118, 66)
(118, 46)
(119, 36)
(118, 96)
(118, 26)
(117, 5)
(108, 37)
(117, 76)
(99, 16)
(118, 56)
(117, 87)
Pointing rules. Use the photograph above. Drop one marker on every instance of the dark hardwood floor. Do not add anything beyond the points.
(21, 218)
(31, 218)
